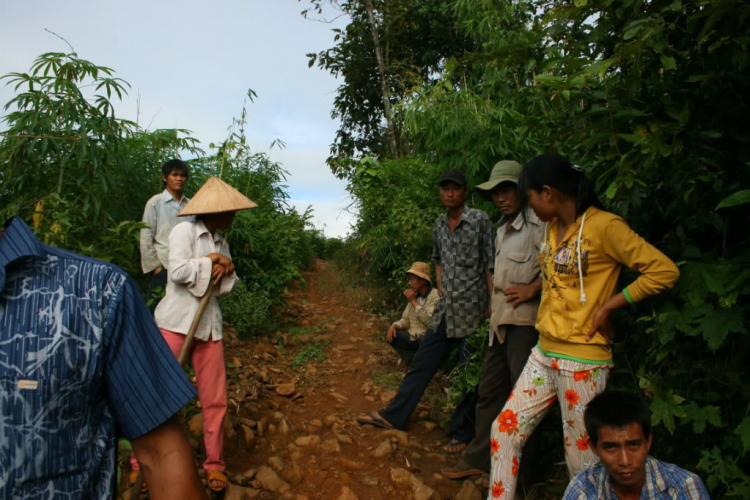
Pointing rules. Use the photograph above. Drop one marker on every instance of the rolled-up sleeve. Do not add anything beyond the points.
(183, 269)
(149, 259)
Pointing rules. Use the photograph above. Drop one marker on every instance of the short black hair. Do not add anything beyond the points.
(172, 165)
(616, 409)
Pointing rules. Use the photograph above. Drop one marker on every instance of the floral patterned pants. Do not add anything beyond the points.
(543, 381)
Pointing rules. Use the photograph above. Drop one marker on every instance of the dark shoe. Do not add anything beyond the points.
(460, 471)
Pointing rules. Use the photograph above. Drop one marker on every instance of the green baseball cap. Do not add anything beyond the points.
(503, 171)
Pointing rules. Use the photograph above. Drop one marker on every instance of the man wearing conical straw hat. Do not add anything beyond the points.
(199, 255)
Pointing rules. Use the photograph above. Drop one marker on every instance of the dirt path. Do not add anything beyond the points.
(293, 402)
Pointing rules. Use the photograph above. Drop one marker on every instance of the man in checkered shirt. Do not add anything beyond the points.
(464, 258)
(619, 428)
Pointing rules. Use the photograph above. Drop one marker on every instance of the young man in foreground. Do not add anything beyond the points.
(619, 429)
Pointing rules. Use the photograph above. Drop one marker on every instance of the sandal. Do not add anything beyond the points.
(217, 475)
(374, 419)
(454, 446)
(131, 481)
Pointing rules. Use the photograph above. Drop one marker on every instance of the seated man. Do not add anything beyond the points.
(619, 432)
(405, 334)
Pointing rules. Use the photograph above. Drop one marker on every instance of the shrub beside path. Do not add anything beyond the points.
(293, 401)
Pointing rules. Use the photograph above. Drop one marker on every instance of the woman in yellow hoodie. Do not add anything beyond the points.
(581, 258)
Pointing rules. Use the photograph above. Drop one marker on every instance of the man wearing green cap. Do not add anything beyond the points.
(515, 300)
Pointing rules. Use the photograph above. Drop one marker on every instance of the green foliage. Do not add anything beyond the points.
(248, 309)
(466, 378)
(81, 176)
(397, 209)
(311, 352)
(416, 37)
(650, 99)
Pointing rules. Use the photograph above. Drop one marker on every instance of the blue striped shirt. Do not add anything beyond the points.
(81, 361)
(663, 482)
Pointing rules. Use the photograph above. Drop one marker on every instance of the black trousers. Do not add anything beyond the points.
(405, 346)
(503, 365)
(434, 348)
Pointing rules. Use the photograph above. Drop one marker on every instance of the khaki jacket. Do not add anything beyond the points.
(516, 263)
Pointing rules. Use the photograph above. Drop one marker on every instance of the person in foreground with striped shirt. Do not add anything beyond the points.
(619, 432)
(81, 363)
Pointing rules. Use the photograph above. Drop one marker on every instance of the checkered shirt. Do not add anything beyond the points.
(465, 256)
(663, 482)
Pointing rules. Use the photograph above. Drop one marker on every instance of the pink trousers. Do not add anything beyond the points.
(207, 359)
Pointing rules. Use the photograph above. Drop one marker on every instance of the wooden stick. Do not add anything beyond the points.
(135, 492)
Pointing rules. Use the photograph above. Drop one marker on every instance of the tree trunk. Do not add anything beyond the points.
(383, 82)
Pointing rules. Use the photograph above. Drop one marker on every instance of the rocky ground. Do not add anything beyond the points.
(291, 431)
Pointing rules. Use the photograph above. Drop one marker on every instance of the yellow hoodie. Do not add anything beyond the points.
(571, 299)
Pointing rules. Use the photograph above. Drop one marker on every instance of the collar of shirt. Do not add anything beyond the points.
(464, 217)
(166, 196)
(17, 241)
(520, 220)
(200, 229)
(653, 484)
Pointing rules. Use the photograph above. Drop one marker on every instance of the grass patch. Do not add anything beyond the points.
(390, 380)
(311, 352)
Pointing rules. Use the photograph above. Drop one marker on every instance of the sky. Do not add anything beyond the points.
(192, 63)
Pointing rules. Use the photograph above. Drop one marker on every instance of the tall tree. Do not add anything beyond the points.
(416, 39)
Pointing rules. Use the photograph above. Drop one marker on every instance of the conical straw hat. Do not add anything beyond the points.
(216, 196)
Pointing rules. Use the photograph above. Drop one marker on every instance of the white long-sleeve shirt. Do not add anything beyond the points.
(161, 216)
(189, 275)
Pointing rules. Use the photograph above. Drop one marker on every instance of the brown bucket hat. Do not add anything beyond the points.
(216, 196)
(420, 270)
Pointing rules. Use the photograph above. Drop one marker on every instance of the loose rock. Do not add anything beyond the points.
(234, 492)
(277, 463)
(347, 494)
(385, 448)
(331, 446)
(469, 491)
(419, 490)
(307, 441)
(285, 389)
(270, 481)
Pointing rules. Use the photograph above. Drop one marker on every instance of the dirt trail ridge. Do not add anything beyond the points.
(291, 431)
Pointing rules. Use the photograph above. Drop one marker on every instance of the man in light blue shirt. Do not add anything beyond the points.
(161, 216)
(619, 429)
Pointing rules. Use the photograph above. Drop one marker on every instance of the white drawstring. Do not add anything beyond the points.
(580, 263)
(543, 246)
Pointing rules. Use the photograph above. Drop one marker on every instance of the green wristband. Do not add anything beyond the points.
(627, 296)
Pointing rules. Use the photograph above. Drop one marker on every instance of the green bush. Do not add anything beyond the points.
(249, 310)
(81, 177)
